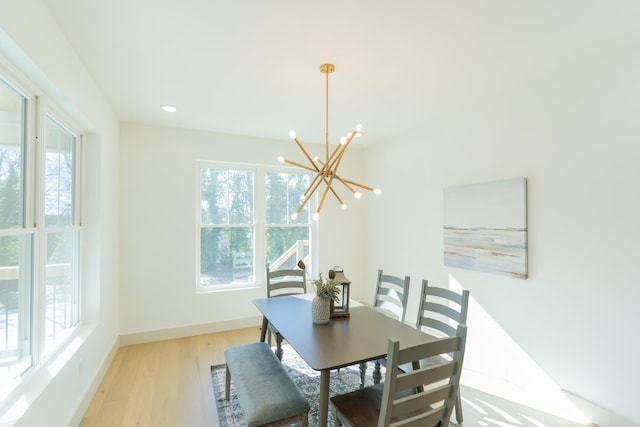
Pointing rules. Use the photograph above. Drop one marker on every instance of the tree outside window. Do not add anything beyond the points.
(245, 223)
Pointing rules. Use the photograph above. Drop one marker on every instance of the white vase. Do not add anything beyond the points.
(320, 310)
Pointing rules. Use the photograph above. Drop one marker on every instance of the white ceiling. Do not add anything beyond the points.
(252, 67)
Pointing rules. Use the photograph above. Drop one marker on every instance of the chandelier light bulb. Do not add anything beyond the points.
(344, 206)
(349, 134)
(316, 216)
(280, 159)
(377, 191)
(343, 140)
(294, 215)
(357, 195)
(358, 128)
(292, 134)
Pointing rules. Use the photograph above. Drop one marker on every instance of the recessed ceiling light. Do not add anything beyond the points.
(169, 108)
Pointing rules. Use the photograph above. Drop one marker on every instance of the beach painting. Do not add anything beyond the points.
(485, 227)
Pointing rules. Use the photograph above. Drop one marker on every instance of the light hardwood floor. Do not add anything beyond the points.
(168, 384)
(164, 383)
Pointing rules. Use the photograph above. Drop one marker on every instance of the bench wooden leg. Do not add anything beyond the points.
(227, 383)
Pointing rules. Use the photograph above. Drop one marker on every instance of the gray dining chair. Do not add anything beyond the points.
(392, 294)
(280, 283)
(440, 312)
(417, 398)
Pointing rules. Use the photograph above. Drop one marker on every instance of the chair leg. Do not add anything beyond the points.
(458, 408)
(227, 383)
(279, 350)
(264, 329)
(363, 373)
(337, 422)
(377, 375)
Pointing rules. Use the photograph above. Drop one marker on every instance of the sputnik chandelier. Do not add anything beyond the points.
(327, 171)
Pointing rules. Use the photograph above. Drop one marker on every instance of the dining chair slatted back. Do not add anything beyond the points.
(440, 312)
(285, 282)
(392, 293)
(417, 398)
(281, 283)
(442, 309)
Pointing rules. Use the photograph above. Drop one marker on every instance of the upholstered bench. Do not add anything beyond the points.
(266, 393)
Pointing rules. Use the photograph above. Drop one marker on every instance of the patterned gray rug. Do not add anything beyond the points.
(308, 381)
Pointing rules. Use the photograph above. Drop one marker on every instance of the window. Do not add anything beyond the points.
(16, 238)
(40, 232)
(245, 223)
(62, 290)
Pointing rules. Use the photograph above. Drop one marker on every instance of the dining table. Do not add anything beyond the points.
(344, 341)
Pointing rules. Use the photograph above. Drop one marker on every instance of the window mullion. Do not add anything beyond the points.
(40, 248)
(260, 228)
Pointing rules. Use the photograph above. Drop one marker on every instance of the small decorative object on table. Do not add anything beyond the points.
(326, 292)
(342, 310)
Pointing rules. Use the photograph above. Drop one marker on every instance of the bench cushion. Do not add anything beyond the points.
(265, 391)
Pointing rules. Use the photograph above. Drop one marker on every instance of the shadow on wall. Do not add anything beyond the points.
(504, 370)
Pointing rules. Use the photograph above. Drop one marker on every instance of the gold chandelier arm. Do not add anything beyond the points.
(365, 187)
(336, 196)
(337, 153)
(320, 206)
(314, 186)
(305, 153)
(330, 187)
(301, 166)
(316, 180)
(324, 194)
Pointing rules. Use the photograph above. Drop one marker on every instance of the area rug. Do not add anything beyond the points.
(308, 381)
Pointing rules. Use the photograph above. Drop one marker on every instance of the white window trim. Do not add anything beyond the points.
(37, 109)
(260, 171)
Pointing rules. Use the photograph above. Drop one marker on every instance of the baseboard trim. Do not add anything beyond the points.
(187, 331)
(599, 415)
(94, 385)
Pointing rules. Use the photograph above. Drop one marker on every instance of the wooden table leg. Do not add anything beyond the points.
(323, 408)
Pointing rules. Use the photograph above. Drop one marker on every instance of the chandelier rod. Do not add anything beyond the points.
(326, 69)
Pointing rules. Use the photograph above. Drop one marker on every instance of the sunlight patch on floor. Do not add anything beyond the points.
(503, 369)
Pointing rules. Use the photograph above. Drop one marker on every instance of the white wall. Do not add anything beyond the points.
(56, 394)
(159, 235)
(574, 135)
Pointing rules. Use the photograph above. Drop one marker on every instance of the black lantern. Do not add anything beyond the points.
(341, 310)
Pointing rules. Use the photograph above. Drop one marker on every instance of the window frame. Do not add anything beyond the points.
(33, 146)
(49, 110)
(259, 222)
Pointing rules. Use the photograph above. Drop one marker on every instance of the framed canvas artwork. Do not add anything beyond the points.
(485, 227)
